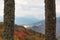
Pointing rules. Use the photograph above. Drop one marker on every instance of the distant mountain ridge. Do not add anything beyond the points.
(25, 20)
(58, 25)
(1, 19)
(40, 26)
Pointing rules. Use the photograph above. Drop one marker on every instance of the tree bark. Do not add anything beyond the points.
(9, 14)
(50, 20)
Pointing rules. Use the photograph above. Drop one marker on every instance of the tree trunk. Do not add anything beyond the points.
(9, 10)
(50, 20)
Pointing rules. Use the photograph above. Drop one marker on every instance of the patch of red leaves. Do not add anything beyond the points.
(20, 34)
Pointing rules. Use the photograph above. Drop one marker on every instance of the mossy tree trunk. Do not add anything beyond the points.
(9, 10)
(50, 20)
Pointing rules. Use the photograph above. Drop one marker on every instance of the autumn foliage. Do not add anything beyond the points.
(21, 33)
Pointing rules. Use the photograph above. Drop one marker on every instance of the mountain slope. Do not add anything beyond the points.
(58, 26)
(21, 33)
(40, 26)
(25, 20)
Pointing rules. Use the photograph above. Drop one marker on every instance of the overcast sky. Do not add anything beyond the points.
(33, 8)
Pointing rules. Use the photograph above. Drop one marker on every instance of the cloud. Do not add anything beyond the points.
(1, 19)
(34, 8)
(26, 20)
(30, 7)
(29, 2)
(1, 7)
(58, 8)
